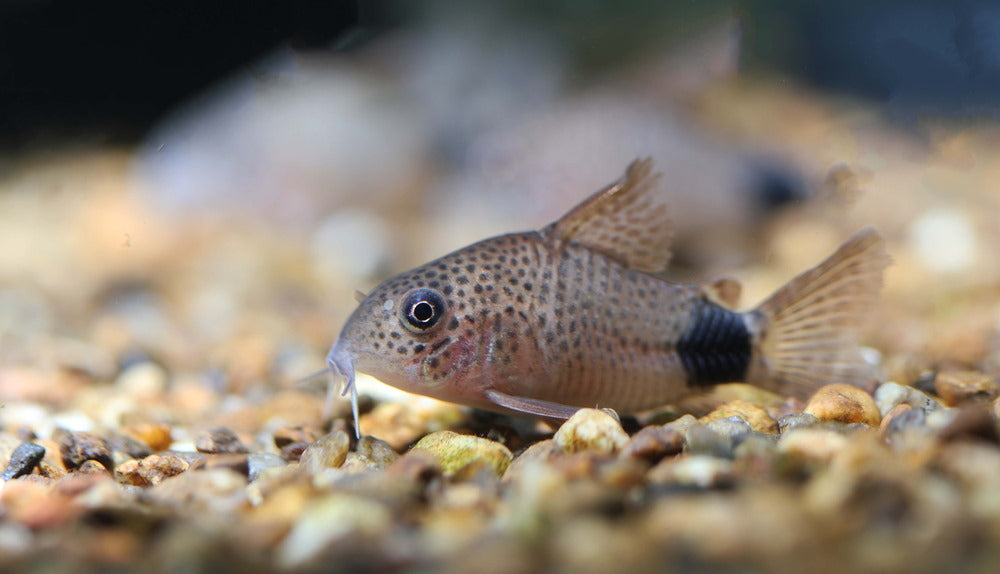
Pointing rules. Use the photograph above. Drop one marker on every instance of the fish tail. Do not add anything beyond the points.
(805, 333)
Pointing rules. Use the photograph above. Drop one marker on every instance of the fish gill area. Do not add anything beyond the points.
(164, 304)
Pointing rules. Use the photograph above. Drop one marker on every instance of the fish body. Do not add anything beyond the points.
(545, 322)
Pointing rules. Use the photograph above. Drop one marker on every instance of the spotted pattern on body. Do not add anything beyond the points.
(544, 322)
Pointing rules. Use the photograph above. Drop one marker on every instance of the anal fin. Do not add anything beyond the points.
(535, 407)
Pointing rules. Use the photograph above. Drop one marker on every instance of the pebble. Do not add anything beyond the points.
(957, 387)
(894, 420)
(234, 462)
(890, 394)
(755, 415)
(79, 447)
(377, 451)
(219, 440)
(812, 444)
(151, 470)
(796, 421)
(329, 451)
(23, 460)
(285, 436)
(328, 520)
(125, 445)
(593, 430)
(259, 461)
(143, 381)
(717, 438)
(653, 443)
(454, 451)
(701, 471)
(157, 436)
(844, 403)
(216, 491)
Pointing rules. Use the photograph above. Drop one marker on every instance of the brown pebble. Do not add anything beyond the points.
(157, 436)
(591, 429)
(973, 421)
(415, 466)
(756, 415)
(285, 436)
(151, 470)
(79, 447)
(652, 443)
(219, 440)
(843, 403)
(329, 451)
(292, 452)
(129, 446)
(958, 387)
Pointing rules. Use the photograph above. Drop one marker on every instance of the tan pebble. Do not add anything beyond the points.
(956, 387)
(591, 429)
(682, 424)
(329, 451)
(151, 470)
(652, 443)
(453, 451)
(702, 471)
(157, 436)
(542, 452)
(377, 451)
(812, 444)
(328, 520)
(757, 416)
(843, 403)
(92, 467)
(890, 394)
(400, 424)
(143, 381)
(217, 491)
(416, 466)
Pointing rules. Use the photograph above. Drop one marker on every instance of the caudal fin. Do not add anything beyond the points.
(806, 336)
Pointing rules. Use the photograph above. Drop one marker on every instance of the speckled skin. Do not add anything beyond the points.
(530, 318)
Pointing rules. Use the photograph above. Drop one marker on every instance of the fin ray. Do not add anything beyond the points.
(807, 339)
(628, 221)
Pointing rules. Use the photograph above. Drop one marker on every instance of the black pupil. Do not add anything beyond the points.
(422, 311)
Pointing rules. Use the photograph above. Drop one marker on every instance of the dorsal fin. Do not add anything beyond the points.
(627, 221)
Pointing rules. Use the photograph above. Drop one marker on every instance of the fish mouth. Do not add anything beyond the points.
(341, 360)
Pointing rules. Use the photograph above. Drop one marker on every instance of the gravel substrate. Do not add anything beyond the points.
(157, 415)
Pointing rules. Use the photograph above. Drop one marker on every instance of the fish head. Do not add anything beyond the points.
(414, 332)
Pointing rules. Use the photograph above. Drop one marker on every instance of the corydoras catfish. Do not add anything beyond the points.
(546, 322)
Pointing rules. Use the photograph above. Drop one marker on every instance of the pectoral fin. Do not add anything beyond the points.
(627, 221)
(535, 407)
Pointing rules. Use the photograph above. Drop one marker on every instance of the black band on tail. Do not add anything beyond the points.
(716, 347)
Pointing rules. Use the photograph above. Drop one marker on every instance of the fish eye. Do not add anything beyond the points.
(422, 309)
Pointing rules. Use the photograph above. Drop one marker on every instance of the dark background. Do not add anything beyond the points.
(109, 70)
(106, 71)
